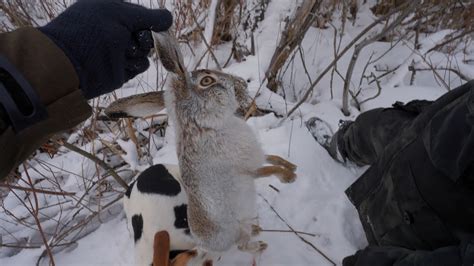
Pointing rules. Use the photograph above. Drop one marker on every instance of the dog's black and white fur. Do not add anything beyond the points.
(156, 202)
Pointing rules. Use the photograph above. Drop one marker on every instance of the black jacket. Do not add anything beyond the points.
(416, 203)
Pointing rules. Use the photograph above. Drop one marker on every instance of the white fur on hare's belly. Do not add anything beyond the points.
(239, 194)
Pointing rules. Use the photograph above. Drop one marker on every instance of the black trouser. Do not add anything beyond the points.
(364, 140)
(417, 197)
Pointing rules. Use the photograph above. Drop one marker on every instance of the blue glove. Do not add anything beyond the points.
(107, 41)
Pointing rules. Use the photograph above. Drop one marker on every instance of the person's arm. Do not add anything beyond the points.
(395, 256)
(48, 74)
(48, 70)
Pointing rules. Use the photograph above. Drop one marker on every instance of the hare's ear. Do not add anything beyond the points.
(139, 105)
(167, 48)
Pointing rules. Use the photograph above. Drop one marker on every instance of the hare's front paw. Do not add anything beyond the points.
(287, 176)
(277, 160)
(288, 165)
(291, 167)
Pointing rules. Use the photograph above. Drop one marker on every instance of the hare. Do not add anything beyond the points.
(219, 156)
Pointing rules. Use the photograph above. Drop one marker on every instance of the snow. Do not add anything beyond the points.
(314, 204)
(110, 245)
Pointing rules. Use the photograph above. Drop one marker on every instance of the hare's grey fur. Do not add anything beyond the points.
(217, 151)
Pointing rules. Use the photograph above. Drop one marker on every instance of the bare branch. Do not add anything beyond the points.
(358, 48)
(208, 47)
(297, 233)
(96, 160)
(293, 34)
(41, 191)
(336, 59)
(35, 212)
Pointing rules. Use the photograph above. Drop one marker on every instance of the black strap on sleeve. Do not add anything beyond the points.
(19, 100)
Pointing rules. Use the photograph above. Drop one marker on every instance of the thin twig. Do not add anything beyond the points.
(455, 71)
(293, 34)
(130, 130)
(297, 233)
(288, 231)
(209, 49)
(462, 34)
(18, 246)
(96, 160)
(430, 65)
(386, 73)
(89, 218)
(35, 213)
(417, 46)
(336, 59)
(304, 63)
(379, 90)
(359, 89)
(358, 48)
(274, 188)
(41, 191)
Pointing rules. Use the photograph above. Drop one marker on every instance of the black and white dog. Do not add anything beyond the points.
(156, 202)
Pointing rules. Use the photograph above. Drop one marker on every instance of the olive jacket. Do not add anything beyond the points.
(48, 70)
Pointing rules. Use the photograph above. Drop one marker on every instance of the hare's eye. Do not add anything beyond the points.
(207, 81)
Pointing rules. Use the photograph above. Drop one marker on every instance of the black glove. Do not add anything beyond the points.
(380, 256)
(397, 256)
(107, 41)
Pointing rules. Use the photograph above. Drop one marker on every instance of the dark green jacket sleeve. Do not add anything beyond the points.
(52, 75)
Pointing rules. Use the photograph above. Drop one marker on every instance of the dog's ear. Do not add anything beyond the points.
(139, 105)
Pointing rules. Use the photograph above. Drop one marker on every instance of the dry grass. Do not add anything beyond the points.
(21, 13)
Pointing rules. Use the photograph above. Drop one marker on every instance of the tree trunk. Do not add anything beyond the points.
(293, 34)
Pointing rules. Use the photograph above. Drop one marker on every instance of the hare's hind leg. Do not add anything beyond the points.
(256, 230)
(278, 161)
(253, 247)
(285, 175)
(246, 245)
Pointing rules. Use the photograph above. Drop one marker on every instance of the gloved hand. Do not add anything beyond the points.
(374, 255)
(107, 41)
(397, 256)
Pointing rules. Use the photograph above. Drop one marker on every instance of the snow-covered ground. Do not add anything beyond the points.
(316, 202)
